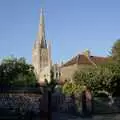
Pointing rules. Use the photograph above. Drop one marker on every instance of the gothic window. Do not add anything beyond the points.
(44, 75)
(59, 74)
(56, 74)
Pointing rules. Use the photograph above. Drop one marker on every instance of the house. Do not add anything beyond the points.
(80, 61)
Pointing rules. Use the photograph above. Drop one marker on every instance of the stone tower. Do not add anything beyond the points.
(41, 53)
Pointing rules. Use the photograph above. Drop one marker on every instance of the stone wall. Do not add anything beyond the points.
(101, 105)
(20, 102)
(60, 103)
(68, 71)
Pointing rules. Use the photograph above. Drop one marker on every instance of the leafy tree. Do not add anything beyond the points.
(16, 72)
(116, 51)
(70, 88)
(103, 78)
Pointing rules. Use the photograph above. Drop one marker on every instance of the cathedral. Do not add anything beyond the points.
(41, 53)
(42, 62)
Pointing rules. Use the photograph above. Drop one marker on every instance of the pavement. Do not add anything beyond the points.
(62, 116)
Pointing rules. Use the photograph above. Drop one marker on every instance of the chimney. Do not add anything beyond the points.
(87, 53)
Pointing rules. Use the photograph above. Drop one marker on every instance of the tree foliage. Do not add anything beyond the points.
(16, 72)
(103, 78)
(116, 51)
(70, 88)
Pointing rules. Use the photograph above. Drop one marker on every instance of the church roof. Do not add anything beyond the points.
(82, 59)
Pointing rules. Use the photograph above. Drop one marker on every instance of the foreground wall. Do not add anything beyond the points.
(101, 105)
(60, 103)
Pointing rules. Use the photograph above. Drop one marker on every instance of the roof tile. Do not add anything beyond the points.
(82, 59)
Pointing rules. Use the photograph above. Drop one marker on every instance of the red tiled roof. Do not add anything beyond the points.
(82, 59)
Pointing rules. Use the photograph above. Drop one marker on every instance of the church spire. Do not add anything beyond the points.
(41, 53)
(41, 31)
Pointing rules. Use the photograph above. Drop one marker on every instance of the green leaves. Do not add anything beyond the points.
(16, 72)
(69, 88)
(116, 51)
(105, 77)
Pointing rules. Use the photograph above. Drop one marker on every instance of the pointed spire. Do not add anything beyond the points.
(41, 16)
(41, 31)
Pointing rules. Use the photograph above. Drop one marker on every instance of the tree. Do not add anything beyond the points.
(71, 87)
(103, 78)
(16, 72)
(116, 51)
